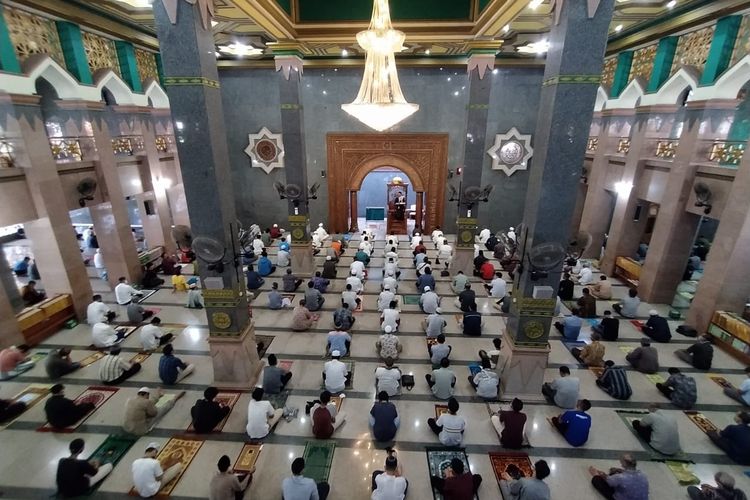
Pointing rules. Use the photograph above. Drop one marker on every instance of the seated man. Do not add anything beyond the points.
(335, 374)
(354, 284)
(350, 296)
(570, 327)
(62, 412)
(114, 370)
(603, 289)
(97, 311)
(290, 282)
(21, 268)
(628, 307)
(59, 364)
(141, 412)
(566, 288)
(320, 283)
(592, 354)
(586, 276)
(338, 340)
(194, 297)
(152, 336)
(460, 280)
(429, 301)
(14, 360)
(254, 281)
(384, 419)
(466, 298)
(659, 430)
(574, 425)
(509, 425)
(302, 318)
(299, 487)
(563, 391)
(699, 354)
(283, 258)
(137, 314)
(325, 418)
(388, 378)
(391, 317)
(390, 281)
(497, 288)
(226, 485)
(275, 379)
(734, 440)
(388, 345)
(426, 281)
(449, 427)
(680, 389)
(608, 327)
(614, 381)
(385, 298)
(207, 413)
(357, 267)
(104, 335)
(442, 381)
(75, 476)
(741, 395)
(471, 324)
(261, 416)
(265, 267)
(657, 327)
(626, 482)
(486, 382)
(314, 300)
(329, 268)
(517, 488)
(724, 489)
(343, 319)
(31, 295)
(587, 304)
(434, 324)
(171, 368)
(439, 351)
(458, 483)
(645, 358)
(148, 476)
(362, 257)
(275, 299)
(487, 271)
(150, 278)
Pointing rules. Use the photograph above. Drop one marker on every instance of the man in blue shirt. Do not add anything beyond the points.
(171, 368)
(265, 267)
(299, 487)
(384, 419)
(283, 245)
(21, 268)
(254, 281)
(339, 340)
(735, 439)
(472, 321)
(574, 425)
(570, 327)
(626, 482)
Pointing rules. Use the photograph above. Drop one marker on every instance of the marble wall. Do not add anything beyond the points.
(251, 101)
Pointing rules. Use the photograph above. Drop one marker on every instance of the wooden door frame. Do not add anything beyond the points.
(422, 157)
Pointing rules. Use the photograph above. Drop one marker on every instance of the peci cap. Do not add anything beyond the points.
(144, 389)
(152, 446)
(653, 312)
(427, 289)
(336, 354)
(329, 257)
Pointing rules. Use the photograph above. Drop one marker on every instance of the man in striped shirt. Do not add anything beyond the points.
(614, 381)
(114, 369)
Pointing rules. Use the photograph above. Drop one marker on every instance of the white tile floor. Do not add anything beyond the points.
(356, 455)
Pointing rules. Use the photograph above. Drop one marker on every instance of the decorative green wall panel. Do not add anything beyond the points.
(361, 10)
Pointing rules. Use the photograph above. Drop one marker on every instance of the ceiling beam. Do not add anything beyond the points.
(270, 16)
(496, 15)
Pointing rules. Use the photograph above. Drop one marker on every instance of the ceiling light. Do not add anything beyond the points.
(214, 23)
(618, 28)
(380, 103)
(139, 4)
(535, 3)
(344, 53)
(534, 47)
(240, 49)
(623, 188)
(427, 52)
(506, 28)
(671, 4)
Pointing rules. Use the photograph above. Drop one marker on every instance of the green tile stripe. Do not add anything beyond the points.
(572, 80)
(662, 63)
(128, 65)
(74, 52)
(622, 73)
(8, 59)
(722, 46)
(478, 106)
(291, 106)
(190, 81)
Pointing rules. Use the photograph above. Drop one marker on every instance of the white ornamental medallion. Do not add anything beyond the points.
(266, 150)
(511, 152)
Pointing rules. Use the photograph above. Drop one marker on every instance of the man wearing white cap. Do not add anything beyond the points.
(148, 476)
(357, 268)
(391, 267)
(512, 234)
(141, 412)
(391, 316)
(388, 345)
(390, 281)
(434, 324)
(415, 241)
(321, 232)
(355, 282)
(657, 327)
(484, 235)
(335, 374)
(429, 301)
(329, 267)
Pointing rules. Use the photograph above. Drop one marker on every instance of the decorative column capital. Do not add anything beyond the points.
(557, 6)
(205, 8)
(288, 64)
(481, 55)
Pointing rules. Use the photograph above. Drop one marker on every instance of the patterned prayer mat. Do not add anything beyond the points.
(655, 378)
(592, 321)
(360, 307)
(596, 370)
(337, 401)
(439, 459)
(431, 341)
(701, 421)
(176, 450)
(318, 459)
(32, 395)
(627, 349)
(140, 357)
(501, 461)
(627, 418)
(113, 449)
(228, 398)
(721, 381)
(570, 344)
(440, 410)
(278, 401)
(637, 324)
(411, 300)
(98, 395)
(266, 339)
(682, 471)
(247, 458)
(128, 331)
(92, 358)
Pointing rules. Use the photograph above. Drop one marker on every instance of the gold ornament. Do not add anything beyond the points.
(221, 320)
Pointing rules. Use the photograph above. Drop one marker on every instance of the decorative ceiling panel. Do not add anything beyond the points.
(100, 52)
(742, 45)
(608, 74)
(32, 34)
(333, 11)
(643, 63)
(146, 63)
(692, 49)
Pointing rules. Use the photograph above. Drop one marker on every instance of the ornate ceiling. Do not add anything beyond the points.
(327, 28)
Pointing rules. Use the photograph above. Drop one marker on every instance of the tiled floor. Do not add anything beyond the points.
(356, 456)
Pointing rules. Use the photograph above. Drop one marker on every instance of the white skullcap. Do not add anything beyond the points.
(336, 354)
(390, 273)
(329, 257)
(653, 312)
(388, 329)
(387, 287)
(427, 289)
(512, 228)
(144, 389)
(275, 225)
(152, 446)
(354, 273)
(438, 310)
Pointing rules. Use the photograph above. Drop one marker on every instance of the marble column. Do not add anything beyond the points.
(192, 82)
(55, 246)
(10, 333)
(419, 216)
(675, 229)
(290, 71)
(111, 220)
(572, 75)
(354, 225)
(724, 285)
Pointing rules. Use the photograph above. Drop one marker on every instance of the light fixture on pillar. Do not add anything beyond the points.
(380, 103)
(623, 188)
(470, 196)
(294, 192)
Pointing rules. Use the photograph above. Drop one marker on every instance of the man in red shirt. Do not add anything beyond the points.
(487, 271)
(457, 484)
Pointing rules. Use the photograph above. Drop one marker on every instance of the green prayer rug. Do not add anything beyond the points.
(682, 472)
(439, 459)
(411, 300)
(111, 451)
(318, 459)
(627, 418)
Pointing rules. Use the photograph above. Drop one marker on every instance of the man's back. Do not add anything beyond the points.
(299, 488)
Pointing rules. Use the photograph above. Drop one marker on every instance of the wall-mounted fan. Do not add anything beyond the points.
(703, 196)
(544, 258)
(214, 253)
(579, 245)
(86, 188)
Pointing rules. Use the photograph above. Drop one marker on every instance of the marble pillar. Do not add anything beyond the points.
(159, 181)
(572, 75)
(10, 303)
(354, 224)
(191, 78)
(55, 246)
(419, 215)
(675, 229)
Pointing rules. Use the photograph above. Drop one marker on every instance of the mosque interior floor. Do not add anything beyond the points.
(357, 455)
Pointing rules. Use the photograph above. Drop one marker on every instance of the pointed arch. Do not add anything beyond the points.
(106, 78)
(601, 98)
(670, 93)
(630, 96)
(43, 66)
(731, 82)
(156, 94)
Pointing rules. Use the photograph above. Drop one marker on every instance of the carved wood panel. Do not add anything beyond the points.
(422, 157)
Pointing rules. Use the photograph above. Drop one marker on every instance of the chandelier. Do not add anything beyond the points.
(380, 103)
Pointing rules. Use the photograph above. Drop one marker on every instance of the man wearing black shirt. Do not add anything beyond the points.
(62, 412)
(608, 328)
(478, 261)
(76, 476)
(700, 354)
(472, 322)
(207, 413)
(467, 298)
(566, 289)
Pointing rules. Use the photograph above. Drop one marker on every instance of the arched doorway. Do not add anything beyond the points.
(376, 203)
(422, 157)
